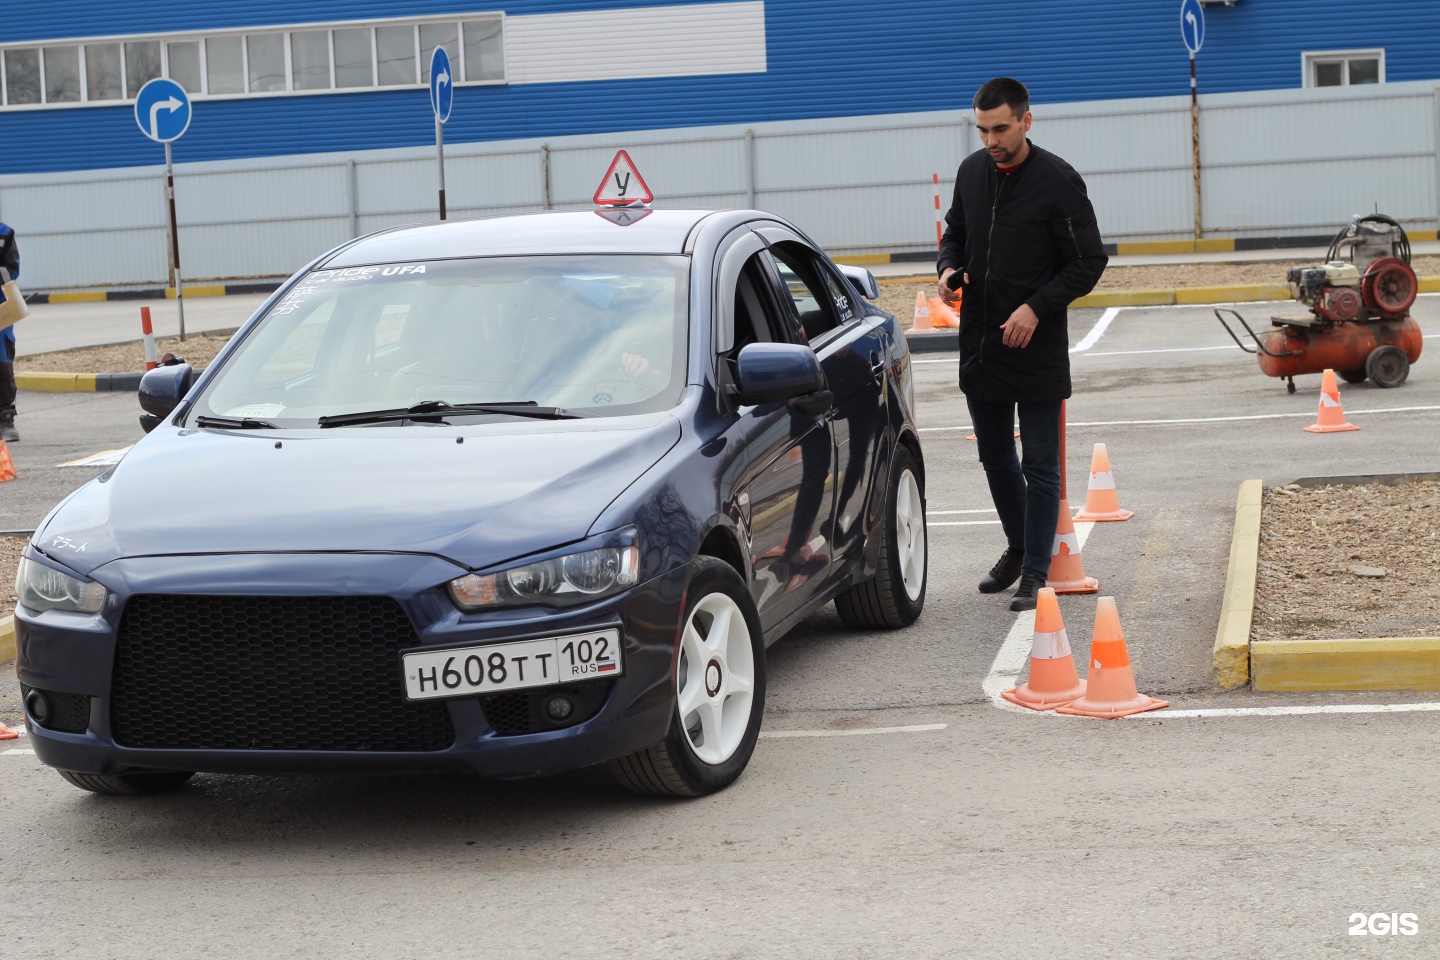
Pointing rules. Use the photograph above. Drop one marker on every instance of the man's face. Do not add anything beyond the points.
(1002, 132)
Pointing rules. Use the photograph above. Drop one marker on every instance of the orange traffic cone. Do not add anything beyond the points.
(1053, 681)
(1110, 688)
(7, 465)
(1067, 570)
(7, 734)
(1331, 418)
(942, 315)
(1102, 502)
(922, 313)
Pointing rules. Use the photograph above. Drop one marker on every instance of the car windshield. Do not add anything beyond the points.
(593, 335)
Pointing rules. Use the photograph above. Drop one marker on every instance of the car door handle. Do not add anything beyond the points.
(877, 365)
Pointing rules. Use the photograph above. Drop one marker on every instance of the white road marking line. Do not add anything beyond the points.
(858, 732)
(104, 458)
(18, 751)
(1097, 331)
(1349, 412)
(1014, 653)
(1297, 710)
(936, 513)
(1131, 353)
(962, 523)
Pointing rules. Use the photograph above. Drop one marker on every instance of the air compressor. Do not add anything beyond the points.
(1359, 324)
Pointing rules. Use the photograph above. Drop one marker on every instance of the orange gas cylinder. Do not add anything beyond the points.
(1343, 347)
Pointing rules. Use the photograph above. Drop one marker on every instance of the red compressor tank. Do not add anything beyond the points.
(1346, 348)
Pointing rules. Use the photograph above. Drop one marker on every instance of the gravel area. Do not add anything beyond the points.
(10, 548)
(1345, 562)
(899, 298)
(125, 357)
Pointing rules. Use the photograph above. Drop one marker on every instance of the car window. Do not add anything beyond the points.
(804, 279)
(602, 335)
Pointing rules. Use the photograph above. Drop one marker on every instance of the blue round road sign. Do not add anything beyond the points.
(162, 109)
(1192, 24)
(442, 84)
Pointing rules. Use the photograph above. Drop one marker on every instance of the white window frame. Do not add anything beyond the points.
(1310, 58)
(165, 39)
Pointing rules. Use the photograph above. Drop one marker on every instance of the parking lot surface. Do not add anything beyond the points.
(892, 809)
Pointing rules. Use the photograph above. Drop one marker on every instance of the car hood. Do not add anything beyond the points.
(506, 491)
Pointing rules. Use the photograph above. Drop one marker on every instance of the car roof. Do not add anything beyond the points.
(577, 231)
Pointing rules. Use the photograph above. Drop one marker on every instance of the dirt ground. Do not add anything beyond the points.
(10, 548)
(125, 357)
(1346, 562)
(899, 298)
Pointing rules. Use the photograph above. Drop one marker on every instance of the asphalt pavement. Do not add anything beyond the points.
(894, 809)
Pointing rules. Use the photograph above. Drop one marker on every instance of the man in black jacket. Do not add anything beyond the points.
(1021, 241)
(9, 270)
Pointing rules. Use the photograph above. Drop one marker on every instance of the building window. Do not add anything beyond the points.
(307, 59)
(1343, 68)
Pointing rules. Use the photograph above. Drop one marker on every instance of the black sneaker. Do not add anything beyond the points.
(1027, 592)
(1005, 572)
(7, 430)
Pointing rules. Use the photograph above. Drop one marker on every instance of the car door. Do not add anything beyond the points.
(853, 351)
(786, 490)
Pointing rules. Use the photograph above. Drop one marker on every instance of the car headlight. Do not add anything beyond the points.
(41, 588)
(575, 578)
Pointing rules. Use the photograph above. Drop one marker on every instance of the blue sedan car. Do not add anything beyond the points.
(516, 496)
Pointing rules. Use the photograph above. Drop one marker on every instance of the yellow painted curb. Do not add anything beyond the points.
(1127, 298)
(211, 291)
(1411, 663)
(1421, 236)
(1238, 293)
(1429, 285)
(1231, 657)
(86, 296)
(854, 259)
(7, 639)
(1216, 245)
(51, 382)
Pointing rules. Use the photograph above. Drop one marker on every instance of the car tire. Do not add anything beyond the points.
(895, 596)
(718, 705)
(129, 783)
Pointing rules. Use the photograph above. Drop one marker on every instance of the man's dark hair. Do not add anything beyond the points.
(1003, 90)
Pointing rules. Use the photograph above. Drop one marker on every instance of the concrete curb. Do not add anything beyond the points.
(1231, 656)
(1378, 663)
(7, 639)
(154, 293)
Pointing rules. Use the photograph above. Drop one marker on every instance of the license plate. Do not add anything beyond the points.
(496, 667)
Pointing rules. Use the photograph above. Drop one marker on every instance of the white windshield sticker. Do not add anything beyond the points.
(255, 410)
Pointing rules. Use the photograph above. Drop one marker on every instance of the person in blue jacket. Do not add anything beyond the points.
(10, 263)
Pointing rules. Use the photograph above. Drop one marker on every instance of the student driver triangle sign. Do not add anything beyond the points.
(622, 184)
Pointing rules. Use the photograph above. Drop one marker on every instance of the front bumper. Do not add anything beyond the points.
(74, 654)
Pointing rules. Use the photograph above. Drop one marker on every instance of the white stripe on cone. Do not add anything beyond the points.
(1102, 481)
(1070, 540)
(1326, 400)
(1050, 646)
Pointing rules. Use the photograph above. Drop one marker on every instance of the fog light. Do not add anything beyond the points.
(558, 708)
(38, 706)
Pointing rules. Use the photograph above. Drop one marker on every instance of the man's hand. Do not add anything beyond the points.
(634, 364)
(946, 293)
(1020, 327)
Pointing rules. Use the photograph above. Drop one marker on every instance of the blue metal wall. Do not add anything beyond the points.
(827, 58)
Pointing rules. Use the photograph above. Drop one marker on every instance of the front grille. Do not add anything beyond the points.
(68, 712)
(268, 673)
(523, 711)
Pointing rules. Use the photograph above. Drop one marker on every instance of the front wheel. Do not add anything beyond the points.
(719, 693)
(895, 596)
(129, 783)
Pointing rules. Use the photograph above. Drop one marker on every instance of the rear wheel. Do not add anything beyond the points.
(895, 596)
(130, 783)
(1354, 376)
(1387, 366)
(719, 693)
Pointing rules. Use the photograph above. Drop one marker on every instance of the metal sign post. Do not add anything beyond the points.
(1192, 31)
(162, 111)
(442, 96)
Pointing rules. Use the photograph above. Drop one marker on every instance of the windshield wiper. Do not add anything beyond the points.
(227, 423)
(437, 410)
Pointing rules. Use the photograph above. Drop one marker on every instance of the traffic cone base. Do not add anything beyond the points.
(1067, 570)
(1102, 500)
(1110, 687)
(7, 465)
(1331, 416)
(942, 315)
(7, 734)
(1053, 681)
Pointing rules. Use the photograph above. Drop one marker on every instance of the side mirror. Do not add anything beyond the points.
(161, 391)
(863, 280)
(766, 372)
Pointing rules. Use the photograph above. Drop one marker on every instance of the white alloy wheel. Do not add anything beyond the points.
(910, 534)
(715, 678)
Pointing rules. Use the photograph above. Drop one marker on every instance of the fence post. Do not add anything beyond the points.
(545, 177)
(352, 188)
(750, 167)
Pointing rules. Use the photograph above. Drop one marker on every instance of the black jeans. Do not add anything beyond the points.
(1026, 491)
(7, 377)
